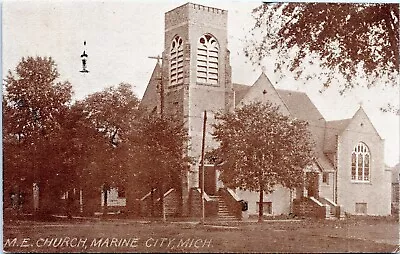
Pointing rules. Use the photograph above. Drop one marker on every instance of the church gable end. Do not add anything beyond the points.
(262, 91)
(361, 169)
(361, 123)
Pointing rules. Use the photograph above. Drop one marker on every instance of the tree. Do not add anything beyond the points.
(81, 143)
(355, 40)
(261, 148)
(34, 108)
(35, 100)
(112, 113)
(161, 154)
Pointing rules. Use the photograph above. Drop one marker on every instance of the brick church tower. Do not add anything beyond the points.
(196, 76)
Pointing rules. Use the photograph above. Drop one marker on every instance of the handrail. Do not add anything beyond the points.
(206, 197)
(330, 202)
(335, 208)
(316, 201)
(147, 195)
(233, 194)
(166, 193)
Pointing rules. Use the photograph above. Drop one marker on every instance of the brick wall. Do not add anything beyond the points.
(211, 206)
(304, 207)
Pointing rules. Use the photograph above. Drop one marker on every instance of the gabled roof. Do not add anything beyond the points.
(338, 125)
(300, 105)
(362, 111)
(261, 91)
(324, 163)
(240, 91)
(336, 128)
(333, 129)
(151, 96)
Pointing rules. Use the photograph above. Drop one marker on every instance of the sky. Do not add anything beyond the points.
(121, 35)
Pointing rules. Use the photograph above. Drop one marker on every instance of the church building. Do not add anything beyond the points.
(348, 175)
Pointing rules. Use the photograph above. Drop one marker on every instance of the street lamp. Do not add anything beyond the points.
(84, 57)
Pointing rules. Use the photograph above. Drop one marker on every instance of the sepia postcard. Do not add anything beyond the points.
(204, 126)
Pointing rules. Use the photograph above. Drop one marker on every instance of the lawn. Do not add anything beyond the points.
(351, 235)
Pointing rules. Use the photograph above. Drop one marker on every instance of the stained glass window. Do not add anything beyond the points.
(360, 163)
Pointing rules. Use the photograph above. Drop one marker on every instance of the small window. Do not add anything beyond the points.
(325, 178)
(267, 207)
(361, 208)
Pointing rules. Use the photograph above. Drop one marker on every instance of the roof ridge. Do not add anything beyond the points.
(239, 84)
(292, 91)
(339, 120)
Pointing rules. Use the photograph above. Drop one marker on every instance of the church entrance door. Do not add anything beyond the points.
(312, 179)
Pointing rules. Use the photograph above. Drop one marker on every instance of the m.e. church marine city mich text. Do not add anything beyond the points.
(131, 242)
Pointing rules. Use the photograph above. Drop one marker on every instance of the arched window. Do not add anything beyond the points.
(360, 163)
(207, 59)
(176, 67)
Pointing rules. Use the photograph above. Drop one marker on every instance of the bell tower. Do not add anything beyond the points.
(196, 75)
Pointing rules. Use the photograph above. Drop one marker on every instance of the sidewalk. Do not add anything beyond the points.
(177, 220)
(192, 221)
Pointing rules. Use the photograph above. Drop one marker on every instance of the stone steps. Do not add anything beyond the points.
(223, 211)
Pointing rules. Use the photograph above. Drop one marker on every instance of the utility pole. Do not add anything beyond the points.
(202, 168)
(164, 218)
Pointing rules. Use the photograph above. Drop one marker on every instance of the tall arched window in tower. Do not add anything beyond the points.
(360, 163)
(207, 60)
(176, 67)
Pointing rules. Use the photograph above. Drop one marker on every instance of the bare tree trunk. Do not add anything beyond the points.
(260, 205)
